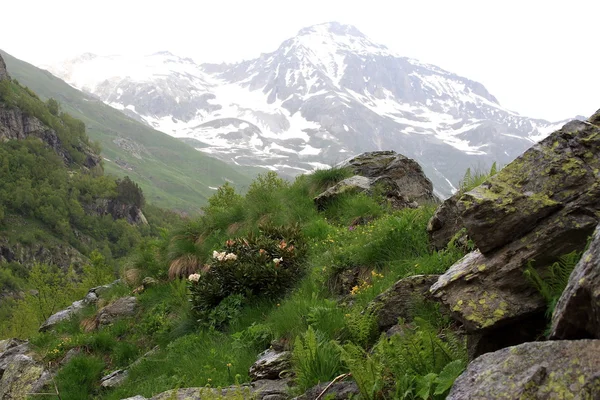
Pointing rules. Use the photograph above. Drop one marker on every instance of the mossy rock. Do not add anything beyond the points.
(538, 370)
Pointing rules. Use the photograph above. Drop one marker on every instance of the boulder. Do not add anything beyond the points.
(405, 173)
(337, 391)
(538, 370)
(555, 180)
(114, 379)
(259, 390)
(121, 308)
(270, 365)
(20, 372)
(543, 205)
(90, 298)
(577, 313)
(397, 301)
(63, 315)
(445, 223)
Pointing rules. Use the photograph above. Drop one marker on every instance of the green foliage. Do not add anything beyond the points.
(419, 363)
(322, 179)
(264, 264)
(97, 272)
(129, 192)
(554, 280)
(315, 359)
(172, 174)
(70, 131)
(473, 179)
(196, 360)
(79, 378)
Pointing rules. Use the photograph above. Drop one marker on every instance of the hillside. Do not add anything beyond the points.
(60, 215)
(330, 287)
(172, 174)
(323, 96)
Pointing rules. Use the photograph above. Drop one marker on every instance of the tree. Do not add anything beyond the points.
(53, 107)
(129, 192)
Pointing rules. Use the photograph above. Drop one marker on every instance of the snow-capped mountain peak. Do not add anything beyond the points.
(322, 96)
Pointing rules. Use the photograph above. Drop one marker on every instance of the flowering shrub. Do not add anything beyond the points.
(264, 264)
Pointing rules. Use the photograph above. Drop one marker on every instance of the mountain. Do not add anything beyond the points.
(324, 95)
(172, 174)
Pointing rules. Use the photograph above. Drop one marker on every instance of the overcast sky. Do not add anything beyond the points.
(539, 58)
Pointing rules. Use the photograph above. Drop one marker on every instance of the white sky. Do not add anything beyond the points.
(539, 58)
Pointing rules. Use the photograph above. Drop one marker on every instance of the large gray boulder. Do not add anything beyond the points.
(539, 370)
(398, 171)
(271, 364)
(541, 206)
(398, 301)
(577, 313)
(445, 223)
(20, 371)
(121, 308)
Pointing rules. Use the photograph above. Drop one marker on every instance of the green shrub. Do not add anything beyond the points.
(261, 265)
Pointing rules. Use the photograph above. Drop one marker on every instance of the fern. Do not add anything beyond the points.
(366, 369)
(555, 280)
(420, 363)
(315, 359)
(473, 179)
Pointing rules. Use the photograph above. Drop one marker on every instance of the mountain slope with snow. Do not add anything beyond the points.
(322, 96)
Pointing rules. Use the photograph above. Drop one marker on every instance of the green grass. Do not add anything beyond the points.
(311, 320)
(172, 174)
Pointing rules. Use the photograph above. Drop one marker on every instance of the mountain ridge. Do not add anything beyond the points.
(322, 96)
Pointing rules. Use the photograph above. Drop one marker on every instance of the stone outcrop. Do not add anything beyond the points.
(541, 206)
(540, 370)
(17, 125)
(121, 308)
(60, 254)
(90, 299)
(118, 210)
(399, 179)
(577, 313)
(397, 301)
(406, 173)
(114, 379)
(20, 372)
(271, 364)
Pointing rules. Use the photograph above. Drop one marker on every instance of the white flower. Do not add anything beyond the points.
(194, 277)
(230, 256)
(277, 260)
(219, 256)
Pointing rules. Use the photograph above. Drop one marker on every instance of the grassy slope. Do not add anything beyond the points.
(171, 173)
